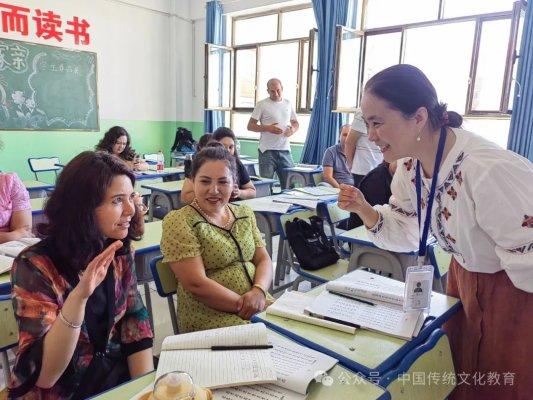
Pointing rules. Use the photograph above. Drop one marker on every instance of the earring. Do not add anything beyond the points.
(418, 137)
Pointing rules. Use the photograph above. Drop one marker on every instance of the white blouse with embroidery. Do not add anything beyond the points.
(482, 212)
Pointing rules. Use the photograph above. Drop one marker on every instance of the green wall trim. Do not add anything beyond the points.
(146, 136)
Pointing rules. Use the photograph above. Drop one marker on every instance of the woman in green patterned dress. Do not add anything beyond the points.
(215, 250)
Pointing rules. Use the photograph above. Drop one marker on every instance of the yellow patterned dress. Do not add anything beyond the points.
(226, 254)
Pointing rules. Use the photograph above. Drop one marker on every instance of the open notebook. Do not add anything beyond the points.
(191, 353)
(368, 301)
(292, 305)
(295, 366)
(15, 247)
(5, 263)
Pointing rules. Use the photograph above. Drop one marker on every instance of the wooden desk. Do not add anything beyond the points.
(37, 189)
(368, 352)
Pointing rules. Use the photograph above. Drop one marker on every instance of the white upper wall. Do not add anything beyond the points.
(144, 54)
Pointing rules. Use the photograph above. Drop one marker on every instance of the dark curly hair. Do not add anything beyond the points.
(111, 137)
(221, 133)
(81, 187)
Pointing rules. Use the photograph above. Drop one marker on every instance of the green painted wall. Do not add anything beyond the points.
(249, 148)
(147, 137)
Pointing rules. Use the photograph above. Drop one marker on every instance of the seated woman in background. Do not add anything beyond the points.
(117, 141)
(83, 327)
(15, 209)
(243, 186)
(215, 250)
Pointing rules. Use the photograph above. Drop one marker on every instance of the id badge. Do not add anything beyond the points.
(418, 286)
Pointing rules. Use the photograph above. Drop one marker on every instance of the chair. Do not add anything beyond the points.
(44, 164)
(333, 215)
(322, 275)
(166, 285)
(377, 259)
(8, 333)
(441, 262)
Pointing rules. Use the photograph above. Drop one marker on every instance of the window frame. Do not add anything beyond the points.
(511, 57)
(207, 47)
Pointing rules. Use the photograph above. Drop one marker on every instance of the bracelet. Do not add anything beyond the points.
(261, 288)
(66, 322)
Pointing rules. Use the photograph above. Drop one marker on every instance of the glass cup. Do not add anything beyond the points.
(174, 386)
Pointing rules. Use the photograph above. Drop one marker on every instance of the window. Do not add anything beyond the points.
(468, 49)
(218, 87)
(274, 44)
(347, 69)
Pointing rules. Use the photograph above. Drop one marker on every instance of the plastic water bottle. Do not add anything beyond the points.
(160, 161)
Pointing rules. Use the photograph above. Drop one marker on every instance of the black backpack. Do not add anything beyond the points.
(310, 244)
(183, 141)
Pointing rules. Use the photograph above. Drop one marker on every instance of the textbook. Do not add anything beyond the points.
(292, 305)
(194, 353)
(368, 301)
(296, 366)
(5, 263)
(15, 247)
(364, 284)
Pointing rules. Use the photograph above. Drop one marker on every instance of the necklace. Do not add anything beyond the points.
(211, 220)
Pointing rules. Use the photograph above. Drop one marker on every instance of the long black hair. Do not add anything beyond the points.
(405, 88)
(81, 187)
(111, 137)
(221, 133)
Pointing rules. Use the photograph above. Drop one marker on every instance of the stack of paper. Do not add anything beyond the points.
(13, 248)
(292, 305)
(368, 301)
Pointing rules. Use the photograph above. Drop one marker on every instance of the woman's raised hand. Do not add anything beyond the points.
(351, 199)
(96, 271)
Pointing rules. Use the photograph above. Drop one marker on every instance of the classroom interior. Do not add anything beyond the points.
(156, 74)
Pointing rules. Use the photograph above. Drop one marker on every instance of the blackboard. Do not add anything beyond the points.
(47, 88)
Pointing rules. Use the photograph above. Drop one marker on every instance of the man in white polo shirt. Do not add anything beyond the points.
(278, 123)
(362, 155)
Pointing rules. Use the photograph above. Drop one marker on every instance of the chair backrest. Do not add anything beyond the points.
(289, 216)
(318, 177)
(150, 158)
(43, 164)
(377, 259)
(439, 259)
(164, 278)
(331, 212)
(9, 335)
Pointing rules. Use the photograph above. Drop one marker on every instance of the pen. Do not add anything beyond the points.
(354, 298)
(338, 321)
(251, 347)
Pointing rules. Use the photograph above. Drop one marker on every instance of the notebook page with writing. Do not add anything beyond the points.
(382, 317)
(239, 335)
(296, 366)
(361, 283)
(13, 248)
(292, 305)
(216, 369)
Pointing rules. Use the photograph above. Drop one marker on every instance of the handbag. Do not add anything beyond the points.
(309, 242)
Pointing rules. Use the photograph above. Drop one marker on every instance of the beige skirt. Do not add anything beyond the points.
(491, 337)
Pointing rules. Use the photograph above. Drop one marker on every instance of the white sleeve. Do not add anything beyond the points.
(397, 226)
(257, 112)
(504, 210)
(358, 123)
(293, 114)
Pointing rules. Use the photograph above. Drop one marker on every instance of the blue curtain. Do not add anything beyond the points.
(521, 131)
(324, 125)
(215, 33)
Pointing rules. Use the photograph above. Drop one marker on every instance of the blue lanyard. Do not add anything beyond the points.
(429, 205)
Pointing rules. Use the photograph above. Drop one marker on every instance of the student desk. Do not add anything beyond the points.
(250, 164)
(37, 189)
(168, 174)
(371, 353)
(345, 385)
(302, 176)
(37, 212)
(263, 186)
(146, 249)
(169, 192)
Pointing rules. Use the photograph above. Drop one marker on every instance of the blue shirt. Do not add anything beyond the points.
(334, 157)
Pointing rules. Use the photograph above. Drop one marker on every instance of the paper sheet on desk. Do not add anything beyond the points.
(5, 263)
(265, 204)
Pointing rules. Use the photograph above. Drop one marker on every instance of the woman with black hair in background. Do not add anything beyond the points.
(117, 141)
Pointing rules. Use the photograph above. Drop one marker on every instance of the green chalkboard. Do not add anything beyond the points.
(47, 88)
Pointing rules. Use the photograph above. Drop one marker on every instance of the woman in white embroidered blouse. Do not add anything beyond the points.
(482, 214)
